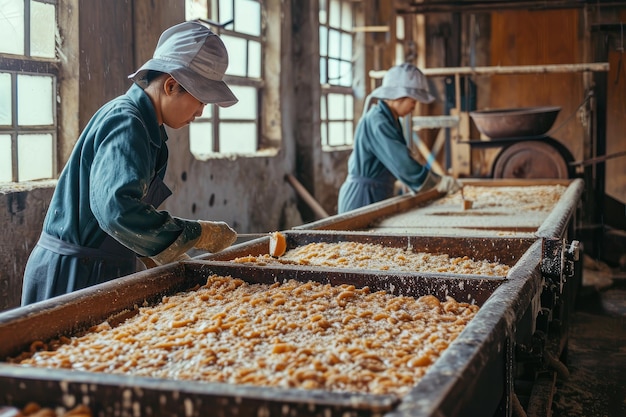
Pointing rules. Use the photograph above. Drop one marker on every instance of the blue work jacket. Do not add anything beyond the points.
(101, 216)
(379, 157)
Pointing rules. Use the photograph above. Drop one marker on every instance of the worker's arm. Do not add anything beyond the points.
(122, 170)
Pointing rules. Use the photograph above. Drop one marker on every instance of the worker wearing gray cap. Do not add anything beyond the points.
(380, 155)
(103, 213)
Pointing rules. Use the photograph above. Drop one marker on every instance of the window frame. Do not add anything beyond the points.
(328, 88)
(233, 80)
(226, 28)
(26, 64)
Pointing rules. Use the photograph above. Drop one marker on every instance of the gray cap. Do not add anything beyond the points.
(196, 58)
(404, 80)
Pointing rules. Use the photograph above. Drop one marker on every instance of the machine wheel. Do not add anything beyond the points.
(533, 159)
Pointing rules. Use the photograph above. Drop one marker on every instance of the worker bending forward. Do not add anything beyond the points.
(103, 214)
(380, 155)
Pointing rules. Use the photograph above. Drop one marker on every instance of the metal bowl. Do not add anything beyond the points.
(515, 122)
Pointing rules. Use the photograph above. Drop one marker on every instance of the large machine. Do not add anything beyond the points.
(526, 148)
(504, 363)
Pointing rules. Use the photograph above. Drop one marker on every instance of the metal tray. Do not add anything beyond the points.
(420, 215)
(506, 250)
(470, 378)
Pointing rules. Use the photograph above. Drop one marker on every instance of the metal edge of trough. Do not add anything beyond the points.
(453, 386)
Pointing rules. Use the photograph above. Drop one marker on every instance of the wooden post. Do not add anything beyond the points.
(319, 211)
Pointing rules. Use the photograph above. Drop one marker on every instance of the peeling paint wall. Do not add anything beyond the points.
(21, 215)
(249, 193)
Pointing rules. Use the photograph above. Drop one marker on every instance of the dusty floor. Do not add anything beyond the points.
(596, 356)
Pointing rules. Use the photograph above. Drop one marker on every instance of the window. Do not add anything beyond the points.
(28, 75)
(234, 129)
(400, 40)
(336, 66)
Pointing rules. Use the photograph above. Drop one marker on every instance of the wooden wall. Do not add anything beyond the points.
(616, 116)
(540, 38)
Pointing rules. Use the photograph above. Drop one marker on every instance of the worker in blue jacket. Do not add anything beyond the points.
(103, 213)
(380, 155)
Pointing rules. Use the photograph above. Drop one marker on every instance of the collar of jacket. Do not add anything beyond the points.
(384, 108)
(148, 114)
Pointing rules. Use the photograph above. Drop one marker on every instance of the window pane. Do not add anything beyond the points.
(336, 107)
(207, 113)
(195, 9)
(323, 74)
(349, 106)
(42, 32)
(12, 26)
(201, 139)
(237, 137)
(399, 53)
(226, 11)
(345, 68)
(336, 133)
(6, 114)
(5, 159)
(322, 12)
(334, 44)
(323, 41)
(34, 156)
(346, 15)
(334, 13)
(346, 47)
(237, 53)
(254, 60)
(333, 71)
(247, 106)
(399, 27)
(34, 100)
(248, 17)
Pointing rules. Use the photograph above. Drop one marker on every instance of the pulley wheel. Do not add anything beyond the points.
(531, 159)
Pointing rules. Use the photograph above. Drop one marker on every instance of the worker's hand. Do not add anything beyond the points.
(215, 236)
(448, 185)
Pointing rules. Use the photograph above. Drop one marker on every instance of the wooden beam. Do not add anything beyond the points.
(512, 69)
(370, 29)
(317, 208)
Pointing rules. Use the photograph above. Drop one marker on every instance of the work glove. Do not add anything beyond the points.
(215, 236)
(431, 181)
(443, 183)
(448, 185)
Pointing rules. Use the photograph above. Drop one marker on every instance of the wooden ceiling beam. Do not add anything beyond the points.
(414, 7)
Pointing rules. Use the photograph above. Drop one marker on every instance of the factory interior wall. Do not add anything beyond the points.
(21, 215)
